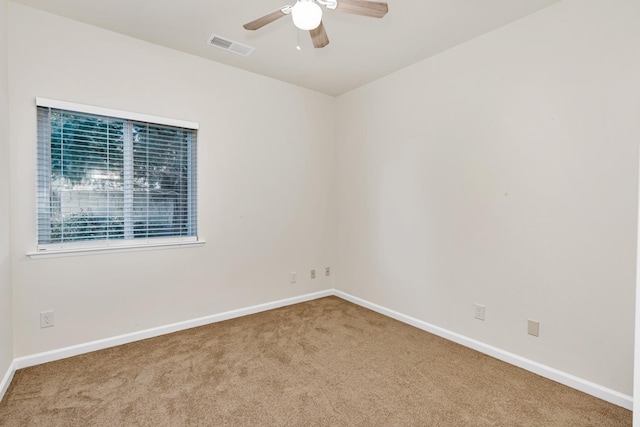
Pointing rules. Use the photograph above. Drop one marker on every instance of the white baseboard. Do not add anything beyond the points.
(62, 353)
(569, 380)
(6, 380)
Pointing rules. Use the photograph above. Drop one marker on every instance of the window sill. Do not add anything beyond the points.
(109, 250)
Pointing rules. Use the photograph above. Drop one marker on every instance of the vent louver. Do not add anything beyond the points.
(230, 45)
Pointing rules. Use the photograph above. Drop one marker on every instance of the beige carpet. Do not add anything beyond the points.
(322, 363)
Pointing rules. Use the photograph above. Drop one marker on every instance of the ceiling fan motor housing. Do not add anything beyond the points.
(329, 4)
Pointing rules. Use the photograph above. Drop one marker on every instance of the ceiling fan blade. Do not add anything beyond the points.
(373, 9)
(266, 19)
(319, 36)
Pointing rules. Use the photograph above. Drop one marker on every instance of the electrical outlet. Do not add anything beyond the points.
(313, 273)
(46, 319)
(479, 311)
(293, 278)
(533, 328)
(327, 271)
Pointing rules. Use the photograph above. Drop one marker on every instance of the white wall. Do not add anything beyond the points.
(6, 319)
(504, 172)
(266, 158)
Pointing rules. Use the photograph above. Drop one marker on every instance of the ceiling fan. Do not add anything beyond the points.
(307, 15)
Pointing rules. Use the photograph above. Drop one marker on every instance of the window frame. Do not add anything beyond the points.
(120, 244)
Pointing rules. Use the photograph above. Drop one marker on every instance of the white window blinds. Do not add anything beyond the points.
(113, 181)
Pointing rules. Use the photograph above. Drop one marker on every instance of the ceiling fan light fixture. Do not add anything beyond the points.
(306, 14)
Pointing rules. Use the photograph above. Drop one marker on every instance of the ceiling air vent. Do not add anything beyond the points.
(230, 45)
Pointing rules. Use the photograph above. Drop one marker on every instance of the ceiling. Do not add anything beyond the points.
(361, 49)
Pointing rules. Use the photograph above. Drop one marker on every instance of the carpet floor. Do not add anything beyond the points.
(325, 362)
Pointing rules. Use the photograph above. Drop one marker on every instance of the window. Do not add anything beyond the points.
(112, 179)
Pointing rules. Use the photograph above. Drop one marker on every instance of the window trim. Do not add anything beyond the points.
(88, 250)
(117, 245)
(100, 111)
